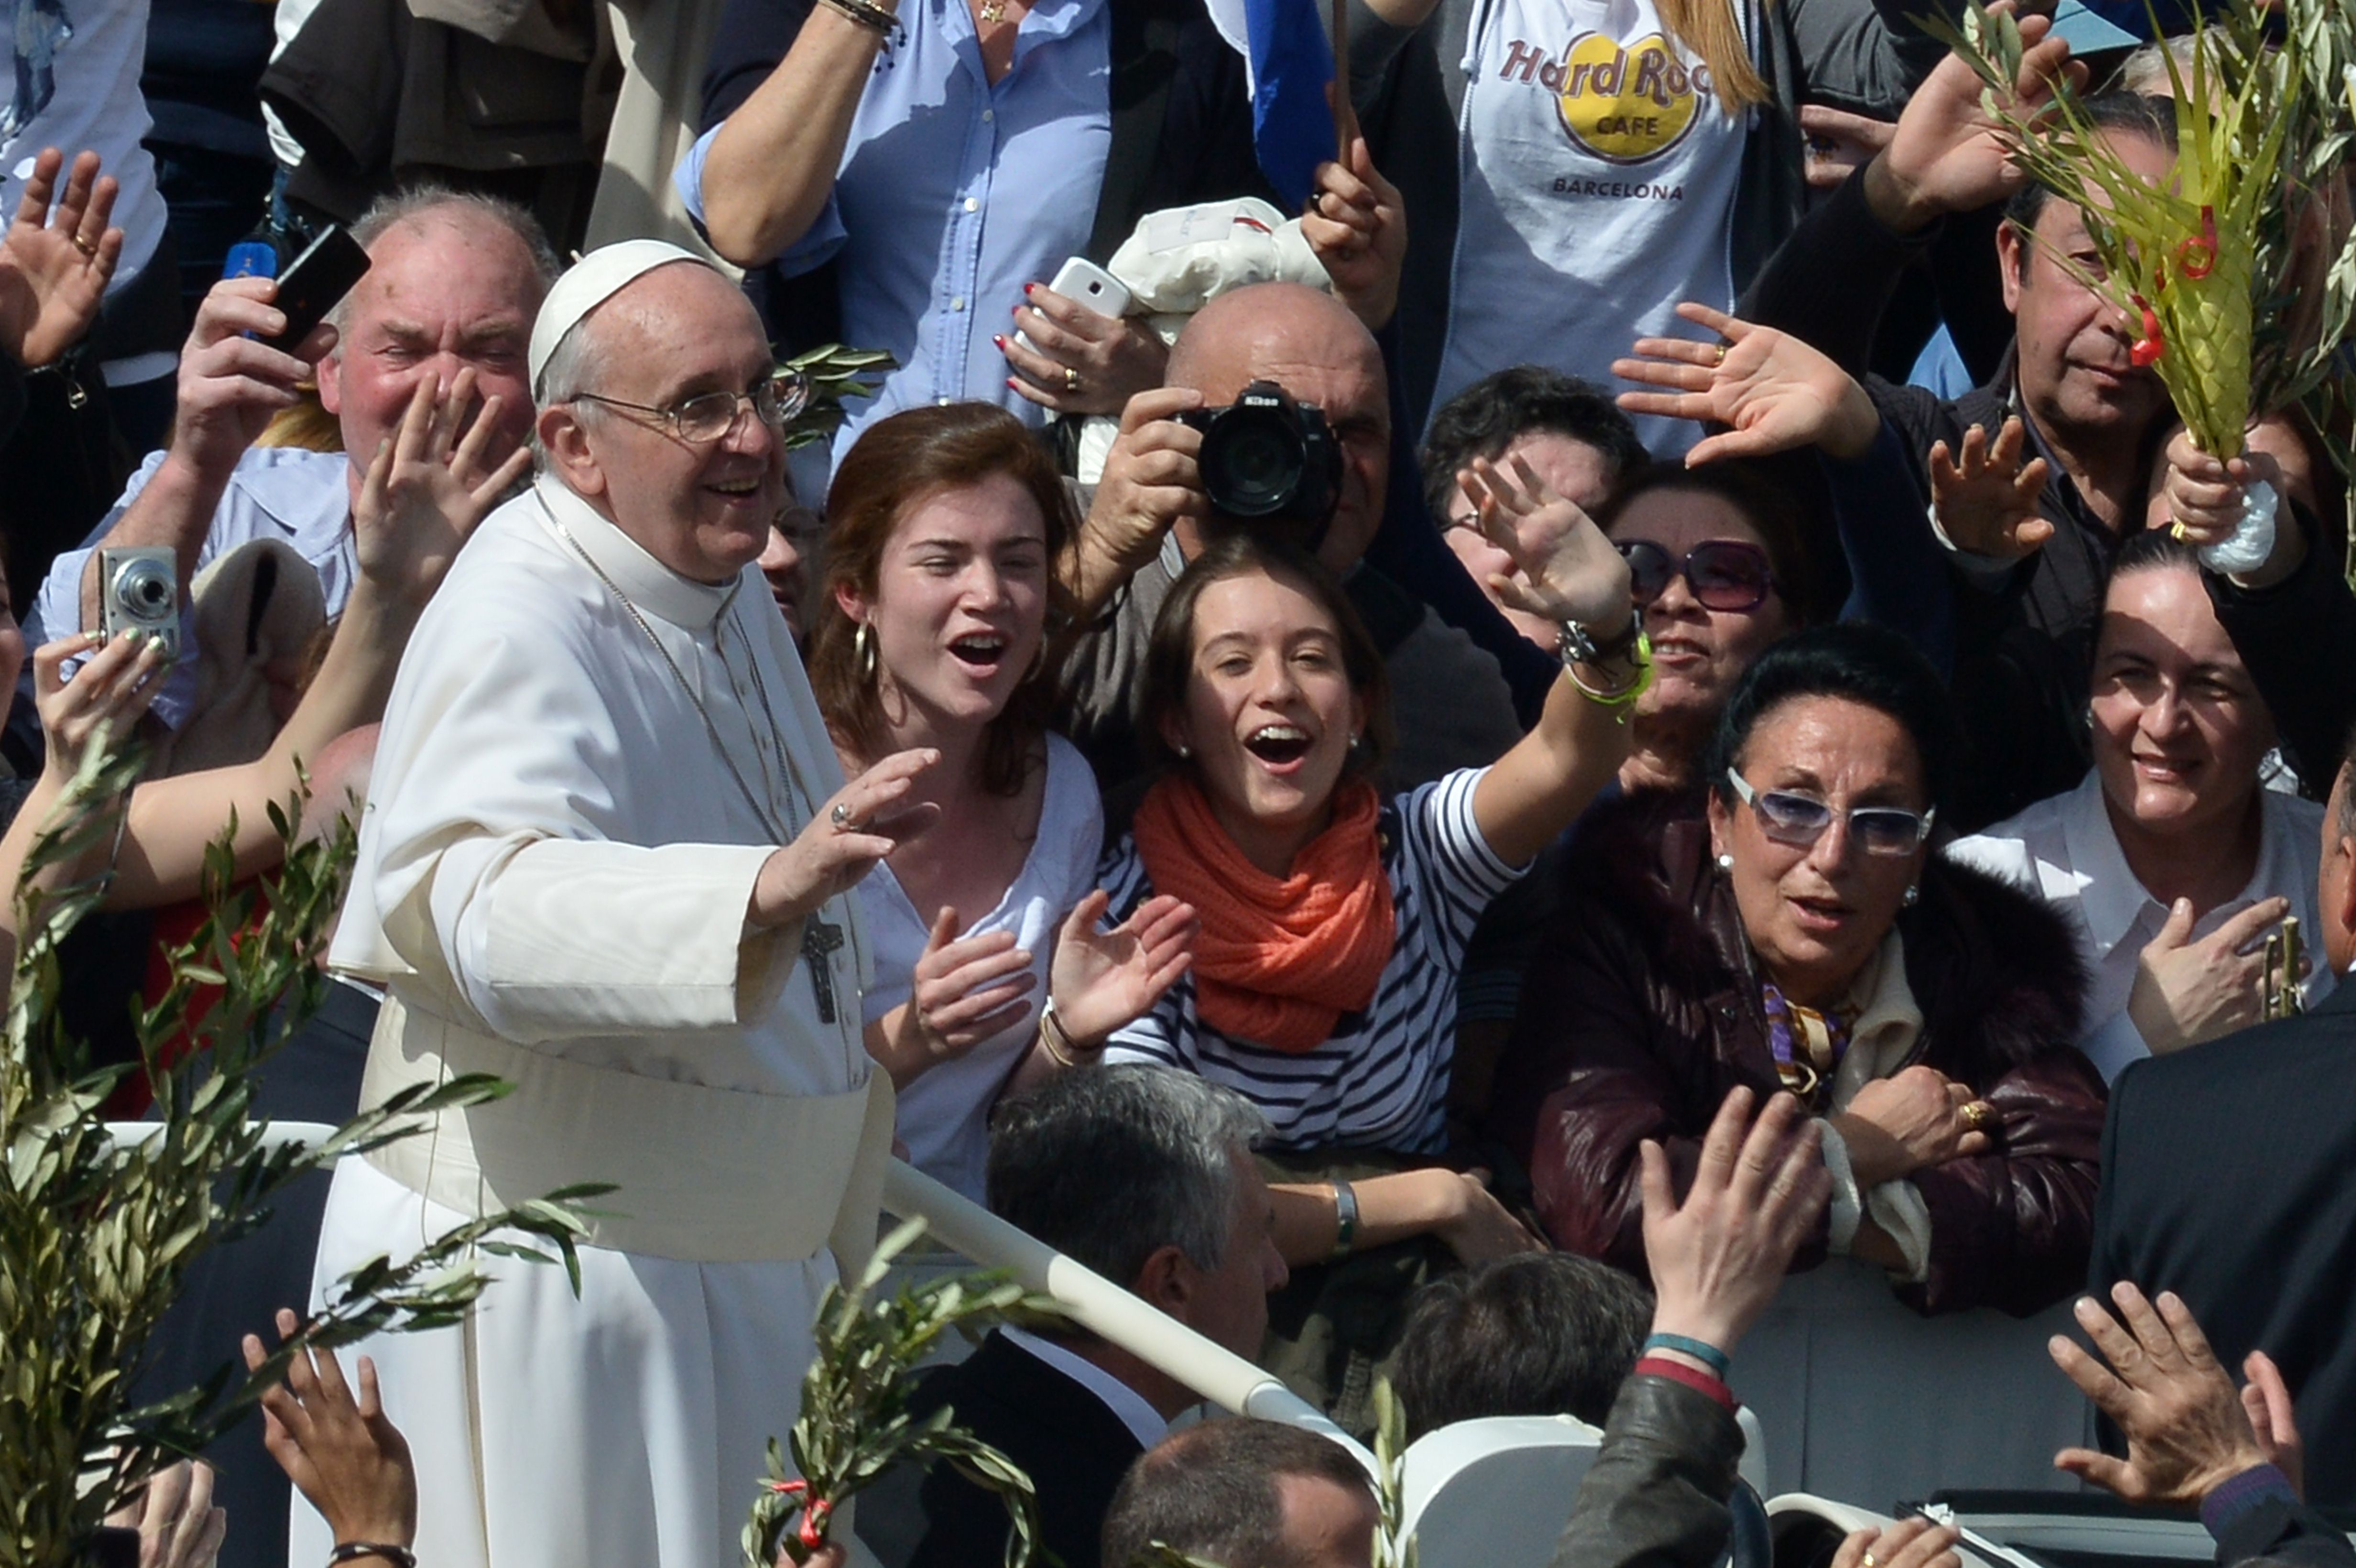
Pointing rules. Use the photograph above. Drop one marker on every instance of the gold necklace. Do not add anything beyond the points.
(992, 12)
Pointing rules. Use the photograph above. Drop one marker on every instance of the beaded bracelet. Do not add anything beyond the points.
(1700, 1351)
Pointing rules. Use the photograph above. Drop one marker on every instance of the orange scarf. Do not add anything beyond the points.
(1279, 959)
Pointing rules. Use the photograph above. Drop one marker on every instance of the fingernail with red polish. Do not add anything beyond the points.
(1029, 289)
(1000, 341)
(1009, 383)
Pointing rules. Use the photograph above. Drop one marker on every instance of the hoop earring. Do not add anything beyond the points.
(1914, 895)
(862, 650)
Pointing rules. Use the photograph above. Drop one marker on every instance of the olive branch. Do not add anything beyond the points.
(855, 1422)
(97, 1234)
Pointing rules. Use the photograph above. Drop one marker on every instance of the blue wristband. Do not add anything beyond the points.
(1709, 1355)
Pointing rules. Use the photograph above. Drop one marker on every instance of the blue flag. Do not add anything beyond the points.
(1292, 64)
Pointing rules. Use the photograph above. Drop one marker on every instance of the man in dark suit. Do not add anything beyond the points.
(1145, 1177)
(2229, 1177)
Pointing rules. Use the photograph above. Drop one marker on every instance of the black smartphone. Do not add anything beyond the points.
(321, 275)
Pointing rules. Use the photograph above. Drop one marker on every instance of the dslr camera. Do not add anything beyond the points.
(139, 591)
(1267, 458)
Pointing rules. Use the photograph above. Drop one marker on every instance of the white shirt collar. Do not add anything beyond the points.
(2111, 900)
(651, 585)
(1144, 1422)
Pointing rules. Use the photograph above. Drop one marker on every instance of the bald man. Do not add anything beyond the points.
(1151, 516)
(605, 858)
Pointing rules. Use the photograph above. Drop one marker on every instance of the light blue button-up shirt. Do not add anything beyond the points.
(953, 194)
(281, 492)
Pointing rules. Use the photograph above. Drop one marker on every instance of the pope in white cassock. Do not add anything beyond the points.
(604, 856)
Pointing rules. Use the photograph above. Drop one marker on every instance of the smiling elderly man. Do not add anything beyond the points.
(453, 282)
(606, 857)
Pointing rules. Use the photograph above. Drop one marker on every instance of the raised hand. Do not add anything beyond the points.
(2186, 1429)
(427, 488)
(1567, 570)
(1718, 1258)
(2188, 991)
(55, 266)
(2274, 1420)
(1103, 979)
(833, 852)
(178, 1524)
(1909, 1122)
(1837, 143)
(1151, 481)
(1947, 154)
(232, 385)
(346, 1459)
(1079, 362)
(966, 991)
(1356, 223)
(106, 695)
(1987, 500)
(1775, 390)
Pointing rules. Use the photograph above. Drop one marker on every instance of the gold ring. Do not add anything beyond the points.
(84, 246)
(1976, 1115)
(1720, 360)
(1071, 379)
(1868, 1562)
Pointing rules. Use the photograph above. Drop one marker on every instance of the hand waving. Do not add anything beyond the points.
(1567, 570)
(1775, 390)
(346, 1459)
(967, 990)
(1947, 154)
(1103, 979)
(2186, 1428)
(427, 488)
(1718, 1258)
(54, 267)
(1986, 503)
(831, 854)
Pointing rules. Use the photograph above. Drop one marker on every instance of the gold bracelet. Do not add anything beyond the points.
(1058, 1040)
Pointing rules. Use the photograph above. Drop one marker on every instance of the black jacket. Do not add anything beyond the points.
(2227, 1179)
(1181, 133)
(1073, 1446)
(1657, 1495)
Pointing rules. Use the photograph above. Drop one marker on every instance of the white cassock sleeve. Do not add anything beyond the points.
(546, 849)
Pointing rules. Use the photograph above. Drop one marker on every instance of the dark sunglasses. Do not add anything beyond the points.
(1797, 821)
(1723, 574)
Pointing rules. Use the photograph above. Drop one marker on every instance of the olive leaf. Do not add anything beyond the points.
(855, 1422)
(97, 1234)
(834, 372)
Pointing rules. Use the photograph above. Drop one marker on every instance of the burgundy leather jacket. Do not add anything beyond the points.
(1641, 1008)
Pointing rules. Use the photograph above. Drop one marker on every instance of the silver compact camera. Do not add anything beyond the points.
(139, 591)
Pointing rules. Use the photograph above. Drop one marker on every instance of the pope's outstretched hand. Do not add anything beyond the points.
(859, 825)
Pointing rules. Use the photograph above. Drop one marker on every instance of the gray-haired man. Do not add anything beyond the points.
(1145, 1175)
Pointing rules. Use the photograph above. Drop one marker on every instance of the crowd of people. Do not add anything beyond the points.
(1448, 791)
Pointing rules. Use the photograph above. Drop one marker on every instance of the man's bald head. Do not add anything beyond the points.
(1232, 341)
(1308, 343)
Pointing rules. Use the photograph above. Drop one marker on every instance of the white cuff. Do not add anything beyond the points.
(1898, 1208)
(1847, 1209)
(1985, 570)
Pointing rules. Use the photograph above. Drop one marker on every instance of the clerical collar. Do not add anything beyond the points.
(653, 587)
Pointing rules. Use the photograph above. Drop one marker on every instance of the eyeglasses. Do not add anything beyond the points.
(1799, 820)
(1724, 574)
(708, 417)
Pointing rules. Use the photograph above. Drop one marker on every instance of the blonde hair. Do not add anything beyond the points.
(1710, 29)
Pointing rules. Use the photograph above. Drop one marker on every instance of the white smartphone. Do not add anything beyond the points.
(1084, 282)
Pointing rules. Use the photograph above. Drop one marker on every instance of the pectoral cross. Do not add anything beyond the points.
(819, 939)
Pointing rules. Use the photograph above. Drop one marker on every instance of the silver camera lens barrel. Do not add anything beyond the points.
(146, 589)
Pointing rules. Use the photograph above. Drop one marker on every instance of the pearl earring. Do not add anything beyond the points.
(1726, 863)
(1185, 752)
(1914, 895)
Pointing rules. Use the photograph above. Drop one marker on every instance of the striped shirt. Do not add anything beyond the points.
(1380, 1080)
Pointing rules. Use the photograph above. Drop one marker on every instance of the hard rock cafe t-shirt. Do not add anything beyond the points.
(1599, 173)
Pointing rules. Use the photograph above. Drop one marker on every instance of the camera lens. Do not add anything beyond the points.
(1254, 466)
(146, 589)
